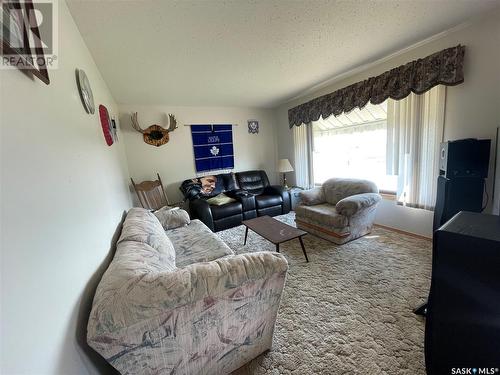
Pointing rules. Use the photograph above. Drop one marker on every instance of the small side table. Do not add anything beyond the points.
(294, 196)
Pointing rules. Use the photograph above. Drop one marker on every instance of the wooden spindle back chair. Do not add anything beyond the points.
(151, 194)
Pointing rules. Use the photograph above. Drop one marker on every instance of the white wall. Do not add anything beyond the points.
(175, 161)
(472, 108)
(63, 195)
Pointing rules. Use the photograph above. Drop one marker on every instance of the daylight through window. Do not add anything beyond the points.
(353, 145)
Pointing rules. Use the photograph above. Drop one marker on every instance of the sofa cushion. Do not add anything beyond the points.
(141, 225)
(227, 222)
(323, 214)
(146, 229)
(229, 180)
(132, 261)
(142, 214)
(264, 201)
(336, 189)
(312, 196)
(196, 243)
(252, 181)
(270, 211)
(172, 217)
(141, 258)
(229, 209)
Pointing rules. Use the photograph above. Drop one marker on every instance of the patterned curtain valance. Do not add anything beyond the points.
(444, 67)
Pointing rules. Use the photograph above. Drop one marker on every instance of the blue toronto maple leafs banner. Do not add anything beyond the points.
(213, 147)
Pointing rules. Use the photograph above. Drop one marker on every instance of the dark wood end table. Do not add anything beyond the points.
(274, 231)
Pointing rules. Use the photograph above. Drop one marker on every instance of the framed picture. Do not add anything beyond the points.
(19, 28)
(253, 126)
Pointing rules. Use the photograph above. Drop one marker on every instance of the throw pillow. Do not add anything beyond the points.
(220, 199)
(172, 217)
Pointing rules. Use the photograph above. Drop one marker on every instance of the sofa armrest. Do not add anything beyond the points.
(312, 197)
(216, 277)
(200, 209)
(282, 192)
(274, 190)
(159, 310)
(152, 293)
(354, 203)
(246, 199)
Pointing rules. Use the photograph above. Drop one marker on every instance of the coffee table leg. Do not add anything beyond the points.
(277, 247)
(303, 248)
(246, 234)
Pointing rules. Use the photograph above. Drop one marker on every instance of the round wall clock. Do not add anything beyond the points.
(85, 91)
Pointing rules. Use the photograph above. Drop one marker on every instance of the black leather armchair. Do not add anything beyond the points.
(253, 194)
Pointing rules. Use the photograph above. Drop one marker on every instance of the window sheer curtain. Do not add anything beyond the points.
(303, 149)
(414, 131)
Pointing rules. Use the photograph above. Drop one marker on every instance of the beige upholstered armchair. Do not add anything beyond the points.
(341, 210)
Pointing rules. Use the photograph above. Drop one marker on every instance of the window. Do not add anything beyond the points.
(353, 145)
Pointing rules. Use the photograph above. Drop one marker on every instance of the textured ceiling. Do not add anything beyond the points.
(255, 53)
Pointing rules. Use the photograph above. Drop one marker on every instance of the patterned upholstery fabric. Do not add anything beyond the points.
(350, 205)
(142, 226)
(323, 213)
(149, 317)
(196, 243)
(345, 209)
(312, 197)
(171, 218)
(336, 189)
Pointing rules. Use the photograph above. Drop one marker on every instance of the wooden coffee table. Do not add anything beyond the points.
(274, 231)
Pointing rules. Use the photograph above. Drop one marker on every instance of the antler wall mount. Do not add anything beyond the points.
(155, 135)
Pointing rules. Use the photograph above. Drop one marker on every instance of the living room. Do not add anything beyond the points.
(248, 63)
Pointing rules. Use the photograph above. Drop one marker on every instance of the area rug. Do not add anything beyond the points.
(349, 310)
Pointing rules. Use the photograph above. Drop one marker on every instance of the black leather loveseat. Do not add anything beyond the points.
(253, 196)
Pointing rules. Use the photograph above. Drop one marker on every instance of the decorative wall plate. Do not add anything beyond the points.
(106, 125)
(85, 91)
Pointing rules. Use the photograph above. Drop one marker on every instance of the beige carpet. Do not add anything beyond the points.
(349, 310)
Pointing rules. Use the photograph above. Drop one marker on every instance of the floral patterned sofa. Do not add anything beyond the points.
(340, 210)
(180, 302)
